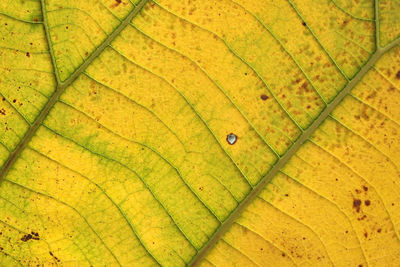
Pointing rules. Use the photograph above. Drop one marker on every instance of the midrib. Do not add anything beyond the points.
(62, 85)
(290, 152)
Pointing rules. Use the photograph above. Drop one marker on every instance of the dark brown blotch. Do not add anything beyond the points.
(57, 259)
(264, 97)
(35, 235)
(26, 238)
(367, 202)
(357, 204)
(398, 75)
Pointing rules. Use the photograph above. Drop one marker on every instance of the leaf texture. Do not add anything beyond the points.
(115, 122)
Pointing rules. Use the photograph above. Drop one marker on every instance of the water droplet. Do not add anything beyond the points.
(231, 138)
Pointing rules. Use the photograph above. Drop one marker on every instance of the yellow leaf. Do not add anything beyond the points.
(212, 133)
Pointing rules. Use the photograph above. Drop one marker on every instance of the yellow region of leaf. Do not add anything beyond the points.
(337, 201)
(389, 26)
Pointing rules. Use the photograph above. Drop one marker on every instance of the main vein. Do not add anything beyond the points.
(62, 85)
(291, 151)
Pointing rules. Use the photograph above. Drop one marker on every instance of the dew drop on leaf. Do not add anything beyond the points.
(231, 138)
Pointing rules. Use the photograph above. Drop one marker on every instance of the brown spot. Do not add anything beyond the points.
(117, 3)
(357, 204)
(367, 202)
(379, 230)
(358, 191)
(398, 75)
(15, 100)
(365, 234)
(365, 188)
(304, 24)
(261, 249)
(308, 106)
(362, 218)
(35, 235)
(360, 265)
(364, 115)
(28, 55)
(286, 195)
(57, 259)
(26, 237)
(201, 188)
(264, 97)
(283, 255)
(2, 111)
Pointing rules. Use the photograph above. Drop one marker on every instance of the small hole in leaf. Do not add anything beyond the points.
(231, 138)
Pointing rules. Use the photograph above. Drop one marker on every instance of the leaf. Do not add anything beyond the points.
(199, 132)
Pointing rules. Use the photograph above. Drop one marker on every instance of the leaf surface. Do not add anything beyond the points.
(117, 124)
